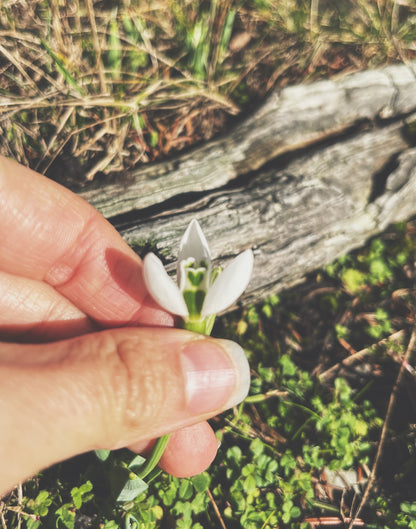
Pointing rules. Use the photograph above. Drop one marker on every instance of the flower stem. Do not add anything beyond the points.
(200, 325)
(153, 460)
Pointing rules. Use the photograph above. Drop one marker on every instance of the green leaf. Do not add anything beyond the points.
(186, 489)
(154, 138)
(234, 454)
(114, 52)
(138, 461)
(102, 454)
(288, 367)
(125, 485)
(65, 516)
(40, 505)
(111, 524)
(131, 522)
(226, 34)
(249, 484)
(256, 447)
(81, 494)
(132, 488)
(353, 280)
(201, 482)
(267, 310)
(60, 66)
(42, 497)
(380, 271)
(342, 331)
(32, 524)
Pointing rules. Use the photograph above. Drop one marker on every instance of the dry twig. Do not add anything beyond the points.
(358, 356)
(217, 511)
(390, 408)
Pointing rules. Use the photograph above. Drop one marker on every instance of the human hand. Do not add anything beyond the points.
(96, 370)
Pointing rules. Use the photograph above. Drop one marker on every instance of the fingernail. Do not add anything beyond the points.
(217, 375)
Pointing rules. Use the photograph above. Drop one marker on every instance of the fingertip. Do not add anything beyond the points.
(190, 451)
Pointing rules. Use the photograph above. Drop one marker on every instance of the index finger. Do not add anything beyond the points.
(50, 234)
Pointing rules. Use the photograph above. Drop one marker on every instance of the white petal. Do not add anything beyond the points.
(229, 285)
(194, 244)
(161, 287)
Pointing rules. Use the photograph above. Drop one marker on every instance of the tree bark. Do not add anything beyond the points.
(312, 174)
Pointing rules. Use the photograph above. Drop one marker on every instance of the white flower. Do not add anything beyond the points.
(202, 291)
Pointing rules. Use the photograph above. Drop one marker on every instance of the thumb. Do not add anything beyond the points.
(108, 390)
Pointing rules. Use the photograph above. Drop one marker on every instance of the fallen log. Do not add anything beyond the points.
(315, 172)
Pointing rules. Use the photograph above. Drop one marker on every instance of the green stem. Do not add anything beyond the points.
(200, 325)
(325, 506)
(305, 409)
(153, 460)
(301, 428)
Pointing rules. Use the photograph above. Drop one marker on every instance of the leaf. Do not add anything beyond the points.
(226, 34)
(125, 485)
(114, 52)
(288, 367)
(256, 447)
(131, 522)
(249, 484)
(138, 461)
(66, 516)
(111, 524)
(132, 488)
(102, 454)
(185, 489)
(32, 524)
(42, 496)
(353, 280)
(60, 66)
(234, 454)
(201, 482)
(81, 494)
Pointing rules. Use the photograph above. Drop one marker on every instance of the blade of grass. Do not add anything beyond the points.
(115, 51)
(60, 66)
(97, 46)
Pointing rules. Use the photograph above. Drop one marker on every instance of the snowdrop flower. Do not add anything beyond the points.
(202, 291)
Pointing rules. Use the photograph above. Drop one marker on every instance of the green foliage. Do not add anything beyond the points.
(82, 494)
(39, 507)
(45, 507)
(407, 517)
(206, 29)
(344, 426)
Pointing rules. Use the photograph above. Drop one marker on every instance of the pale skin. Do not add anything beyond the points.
(82, 366)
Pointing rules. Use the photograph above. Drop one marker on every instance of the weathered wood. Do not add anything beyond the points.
(315, 172)
(289, 120)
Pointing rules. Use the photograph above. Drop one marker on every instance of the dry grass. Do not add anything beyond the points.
(99, 87)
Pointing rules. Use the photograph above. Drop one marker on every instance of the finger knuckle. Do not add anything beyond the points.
(138, 386)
